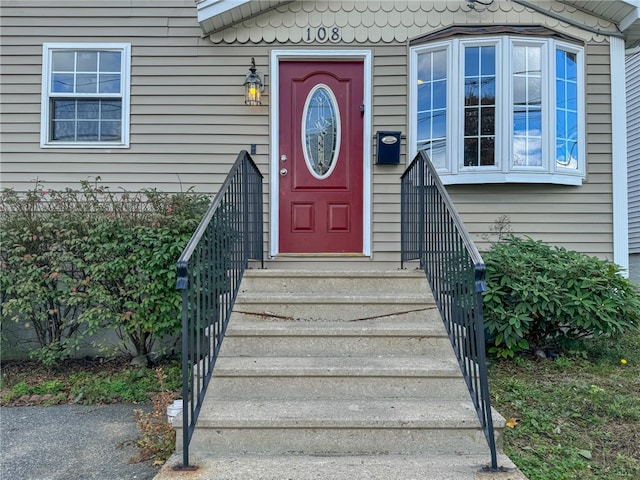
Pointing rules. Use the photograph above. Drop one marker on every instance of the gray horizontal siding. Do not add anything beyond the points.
(633, 149)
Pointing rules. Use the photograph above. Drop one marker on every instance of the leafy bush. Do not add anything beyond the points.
(548, 298)
(76, 261)
(40, 270)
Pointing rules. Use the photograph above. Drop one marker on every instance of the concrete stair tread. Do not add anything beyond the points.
(339, 414)
(414, 323)
(322, 273)
(332, 298)
(348, 467)
(387, 366)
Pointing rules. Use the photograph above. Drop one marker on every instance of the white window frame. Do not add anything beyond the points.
(45, 123)
(454, 172)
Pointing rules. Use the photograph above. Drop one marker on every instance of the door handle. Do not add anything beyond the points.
(283, 172)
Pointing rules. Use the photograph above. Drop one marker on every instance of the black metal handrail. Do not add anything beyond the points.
(209, 273)
(433, 233)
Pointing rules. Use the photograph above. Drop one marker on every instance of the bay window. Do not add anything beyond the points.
(499, 109)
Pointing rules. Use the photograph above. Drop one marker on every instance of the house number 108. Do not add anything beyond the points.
(322, 34)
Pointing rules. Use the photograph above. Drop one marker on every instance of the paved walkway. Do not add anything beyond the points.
(70, 442)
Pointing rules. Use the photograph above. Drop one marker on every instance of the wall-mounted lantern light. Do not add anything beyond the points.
(253, 86)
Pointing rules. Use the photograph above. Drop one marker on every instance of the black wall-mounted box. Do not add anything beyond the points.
(388, 144)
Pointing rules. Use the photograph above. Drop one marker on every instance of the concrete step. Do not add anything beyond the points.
(368, 283)
(346, 467)
(413, 333)
(324, 307)
(287, 378)
(331, 296)
(338, 427)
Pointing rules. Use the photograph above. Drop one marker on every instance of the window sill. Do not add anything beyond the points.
(85, 145)
(493, 177)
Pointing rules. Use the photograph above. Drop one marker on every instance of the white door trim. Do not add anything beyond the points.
(276, 56)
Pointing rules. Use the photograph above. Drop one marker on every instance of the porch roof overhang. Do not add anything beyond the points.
(216, 15)
(624, 13)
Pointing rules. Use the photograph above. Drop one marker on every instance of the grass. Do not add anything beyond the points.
(84, 382)
(578, 416)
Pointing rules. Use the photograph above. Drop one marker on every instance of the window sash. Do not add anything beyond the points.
(85, 95)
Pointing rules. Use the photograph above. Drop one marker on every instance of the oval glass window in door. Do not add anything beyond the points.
(321, 131)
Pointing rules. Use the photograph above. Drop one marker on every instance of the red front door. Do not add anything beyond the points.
(321, 157)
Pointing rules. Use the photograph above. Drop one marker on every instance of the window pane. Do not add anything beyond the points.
(471, 152)
(88, 109)
(109, 83)
(424, 126)
(87, 61)
(535, 123)
(519, 122)
(439, 124)
(561, 95)
(63, 131)
(519, 90)
(487, 152)
(487, 121)
(472, 61)
(62, 83)
(64, 109)
(86, 83)
(110, 131)
(111, 109)
(488, 60)
(472, 92)
(424, 96)
(110, 62)
(519, 59)
(440, 65)
(534, 152)
(572, 125)
(571, 60)
(561, 124)
(62, 61)
(471, 122)
(439, 94)
(534, 94)
(87, 131)
(488, 89)
(533, 60)
(436, 151)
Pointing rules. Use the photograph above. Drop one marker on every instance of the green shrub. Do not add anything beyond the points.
(40, 270)
(79, 260)
(545, 298)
